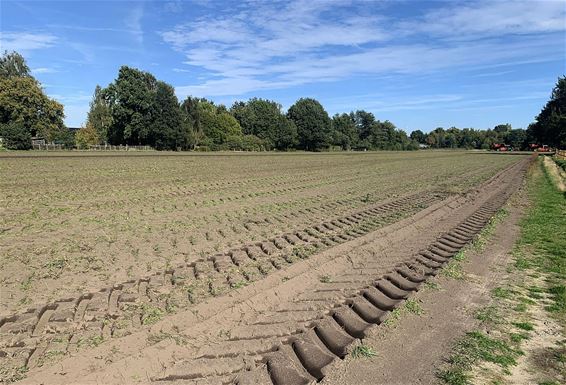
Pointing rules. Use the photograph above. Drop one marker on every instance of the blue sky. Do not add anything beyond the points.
(419, 64)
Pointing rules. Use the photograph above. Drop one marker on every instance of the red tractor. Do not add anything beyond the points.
(501, 147)
(539, 148)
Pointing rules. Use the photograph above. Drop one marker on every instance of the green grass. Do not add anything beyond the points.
(561, 163)
(540, 252)
(325, 279)
(409, 306)
(363, 351)
(453, 270)
(489, 314)
(476, 347)
(523, 325)
(150, 314)
(501, 292)
(543, 241)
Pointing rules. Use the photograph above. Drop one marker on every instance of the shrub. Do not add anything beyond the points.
(15, 136)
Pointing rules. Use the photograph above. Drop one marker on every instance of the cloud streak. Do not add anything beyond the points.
(133, 23)
(25, 41)
(269, 46)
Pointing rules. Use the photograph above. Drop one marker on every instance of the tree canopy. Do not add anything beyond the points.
(12, 64)
(99, 116)
(264, 119)
(313, 124)
(550, 124)
(22, 100)
(138, 109)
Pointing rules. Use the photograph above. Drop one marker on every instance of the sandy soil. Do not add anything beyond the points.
(411, 351)
(73, 225)
(305, 304)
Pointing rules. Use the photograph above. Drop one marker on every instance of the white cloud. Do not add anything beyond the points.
(279, 45)
(493, 18)
(133, 23)
(43, 70)
(25, 41)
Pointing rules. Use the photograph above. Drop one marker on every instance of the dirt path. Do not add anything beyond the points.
(411, 350)
(291, 326)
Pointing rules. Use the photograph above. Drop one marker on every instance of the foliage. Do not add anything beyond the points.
(22, 100)
(313, 124)
(99, 115)
(168, 131)
(550, 125)
(15, 136)
(217, 124)
(12, 64)
(130, 98)
(470, 138)
(418, 136)
(344, 131)
(211, 126)
(86, 136)
(264, 119)
(65, 137)
(137, 109)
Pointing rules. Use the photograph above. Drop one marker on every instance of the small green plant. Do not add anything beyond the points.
(150, 314)
(523, 325)
(432, 285)
(500, 292)
(91, 342)
(489, 314)
(518, 337)
(25, 285)
(239, 284)
(325, 279)
(453, 270)
(363, 351)
(413, 306)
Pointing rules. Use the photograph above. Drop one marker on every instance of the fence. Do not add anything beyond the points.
(48, 147)
(108, 147)
(561, 154)
(92, 147)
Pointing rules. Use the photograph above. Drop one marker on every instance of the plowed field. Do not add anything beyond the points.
(212, 269)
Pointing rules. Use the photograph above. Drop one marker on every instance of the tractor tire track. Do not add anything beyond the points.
(71, 323)
(268, 341)
(296, 343)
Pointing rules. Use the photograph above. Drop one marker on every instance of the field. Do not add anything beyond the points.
(125, 255)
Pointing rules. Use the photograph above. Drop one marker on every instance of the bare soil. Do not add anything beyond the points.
(73, 225)
(277, 309)
(415, 347)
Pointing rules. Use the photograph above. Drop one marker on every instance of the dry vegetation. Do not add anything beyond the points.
(73, 224)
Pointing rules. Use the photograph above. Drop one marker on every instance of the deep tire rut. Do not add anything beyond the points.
(296, 343)
(72, 323)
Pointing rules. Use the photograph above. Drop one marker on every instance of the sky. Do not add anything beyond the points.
(419, 64)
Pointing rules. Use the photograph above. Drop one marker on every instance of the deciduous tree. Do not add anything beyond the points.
(313, 124)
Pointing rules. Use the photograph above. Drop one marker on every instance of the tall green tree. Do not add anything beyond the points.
(167, 131)
(15, 136)
(23, 101)
(264, 119)
(550, 125)
(99, 116)
(345, 132)
(418, 136)
(192, 109)
(130, 98)
(12, 64)
(364, 122)
(313, 124)
(218, 126)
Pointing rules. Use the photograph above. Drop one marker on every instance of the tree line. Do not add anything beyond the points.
(138, 109)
